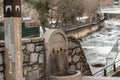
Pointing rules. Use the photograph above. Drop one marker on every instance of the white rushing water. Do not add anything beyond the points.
(98, 45)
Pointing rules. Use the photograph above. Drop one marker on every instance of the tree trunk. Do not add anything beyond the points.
(43, 27)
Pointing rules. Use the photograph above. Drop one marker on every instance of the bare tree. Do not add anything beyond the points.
(68, 10)
(90, 7)
(64, 11)
(105, 3)
(42, 7)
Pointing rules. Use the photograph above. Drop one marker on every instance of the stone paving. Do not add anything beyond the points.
(100, 78)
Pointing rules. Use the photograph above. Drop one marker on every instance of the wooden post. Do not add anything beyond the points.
(13, 54)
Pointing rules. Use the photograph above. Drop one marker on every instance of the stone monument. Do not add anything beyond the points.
(56, 47)
(56, 52)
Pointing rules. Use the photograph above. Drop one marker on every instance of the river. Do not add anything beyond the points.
(99, 44)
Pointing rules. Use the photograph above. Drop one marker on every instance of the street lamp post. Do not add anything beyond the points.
(13, 52)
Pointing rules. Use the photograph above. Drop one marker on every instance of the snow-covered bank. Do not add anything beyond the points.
(99, 44)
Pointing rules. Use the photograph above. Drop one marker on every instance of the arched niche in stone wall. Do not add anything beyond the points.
(56, 47)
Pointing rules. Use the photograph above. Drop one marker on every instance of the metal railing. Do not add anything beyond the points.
(75, 27)
(103, 72)
(110, 60)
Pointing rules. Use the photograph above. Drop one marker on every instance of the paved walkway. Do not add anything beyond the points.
(100, 78)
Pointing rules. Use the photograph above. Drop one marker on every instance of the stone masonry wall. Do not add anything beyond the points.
(2, 50)
(77, 59)
(33, 58)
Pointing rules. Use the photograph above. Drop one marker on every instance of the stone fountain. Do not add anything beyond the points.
(56, 45)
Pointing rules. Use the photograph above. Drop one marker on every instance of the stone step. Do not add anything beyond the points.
(100, 78)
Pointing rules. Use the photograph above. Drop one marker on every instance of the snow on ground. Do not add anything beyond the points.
(99, 44)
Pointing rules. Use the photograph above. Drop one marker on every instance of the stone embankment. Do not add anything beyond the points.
(84, 30)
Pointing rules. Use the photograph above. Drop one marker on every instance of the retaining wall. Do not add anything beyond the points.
(34, 55)
(33, 58)
(82, 31)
